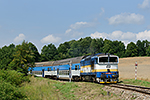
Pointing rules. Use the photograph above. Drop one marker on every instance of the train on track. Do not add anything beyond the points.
(101, 68)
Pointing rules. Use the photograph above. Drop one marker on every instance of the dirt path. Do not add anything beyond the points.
(127, 68)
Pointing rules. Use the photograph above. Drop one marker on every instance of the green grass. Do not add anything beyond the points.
(136, 82)
(47, 89)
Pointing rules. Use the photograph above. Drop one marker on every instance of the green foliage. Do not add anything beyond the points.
(6, 56)
(132, 50)
(13, 77)
(10, 92)
(141, 48)
(23, 58)
(114, 47)
(10, 82)
(36, 55)
(48, 52)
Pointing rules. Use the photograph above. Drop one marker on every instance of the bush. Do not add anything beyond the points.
(13, 77)
(10, 92)
(10, 82)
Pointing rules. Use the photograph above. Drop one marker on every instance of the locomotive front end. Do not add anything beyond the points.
(107, 69)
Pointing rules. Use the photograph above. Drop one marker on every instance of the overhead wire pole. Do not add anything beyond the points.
(70, 74)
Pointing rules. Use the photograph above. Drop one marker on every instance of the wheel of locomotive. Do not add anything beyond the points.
(77, 78)
(82, 78)
(93, 79)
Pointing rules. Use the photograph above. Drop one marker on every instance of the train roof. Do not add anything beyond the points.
(59, 62)
(73, 60)
(98, 55)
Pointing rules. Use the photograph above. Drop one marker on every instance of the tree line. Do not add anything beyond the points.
(23, 56)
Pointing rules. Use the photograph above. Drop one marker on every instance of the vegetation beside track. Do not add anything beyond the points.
(136, 82)
(47, 89)
(15, 86)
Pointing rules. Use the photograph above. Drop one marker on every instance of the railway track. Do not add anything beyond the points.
(140, 89)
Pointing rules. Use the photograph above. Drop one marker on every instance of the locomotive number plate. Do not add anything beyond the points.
(108, 66)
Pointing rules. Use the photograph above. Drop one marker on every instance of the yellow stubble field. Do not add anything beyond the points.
(127, 68)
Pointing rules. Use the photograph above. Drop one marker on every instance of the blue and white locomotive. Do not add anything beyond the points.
(101, 68)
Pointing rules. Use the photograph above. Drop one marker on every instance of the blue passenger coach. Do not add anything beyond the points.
(102, 68)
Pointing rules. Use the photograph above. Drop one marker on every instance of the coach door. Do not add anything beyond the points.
(42, 72)
(92, 65)
(57, 72)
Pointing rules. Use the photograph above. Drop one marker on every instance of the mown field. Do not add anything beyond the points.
(48, 89)
(127, 68)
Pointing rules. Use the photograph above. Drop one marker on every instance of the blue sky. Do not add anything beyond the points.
(56, 21)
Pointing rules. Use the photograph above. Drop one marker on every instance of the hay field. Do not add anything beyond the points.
(127, 68)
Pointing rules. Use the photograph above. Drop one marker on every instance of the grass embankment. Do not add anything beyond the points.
(47, 89)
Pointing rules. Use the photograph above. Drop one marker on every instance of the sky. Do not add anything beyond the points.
(57, 21)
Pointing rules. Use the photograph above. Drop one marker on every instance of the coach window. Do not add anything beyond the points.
(76, 67)
(48, 69)
(54, 68)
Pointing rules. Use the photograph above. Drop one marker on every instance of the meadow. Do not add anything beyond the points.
(48, 89)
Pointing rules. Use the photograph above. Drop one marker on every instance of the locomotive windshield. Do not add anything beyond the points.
(103, 59)
(108, 59)
(113, 59)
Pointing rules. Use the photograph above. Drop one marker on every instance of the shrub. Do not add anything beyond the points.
(10, 82)
(13, 77)
(10, 92)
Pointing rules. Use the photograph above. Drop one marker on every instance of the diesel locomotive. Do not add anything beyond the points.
(101, 68)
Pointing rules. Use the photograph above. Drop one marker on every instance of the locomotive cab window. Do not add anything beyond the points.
(96, 60)
(103, 59)
(113, 59)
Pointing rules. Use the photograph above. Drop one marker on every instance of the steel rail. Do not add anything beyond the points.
(144, 90)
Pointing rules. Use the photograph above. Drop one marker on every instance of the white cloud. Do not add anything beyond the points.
(102, 11)
(51, 39)
(73, 31)
(143, 35)
(126, 18)
(19, 38)
(125, 37)
(116, 35)
(68, 31)
(99, 35)
(145, 4)
(79, 25)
